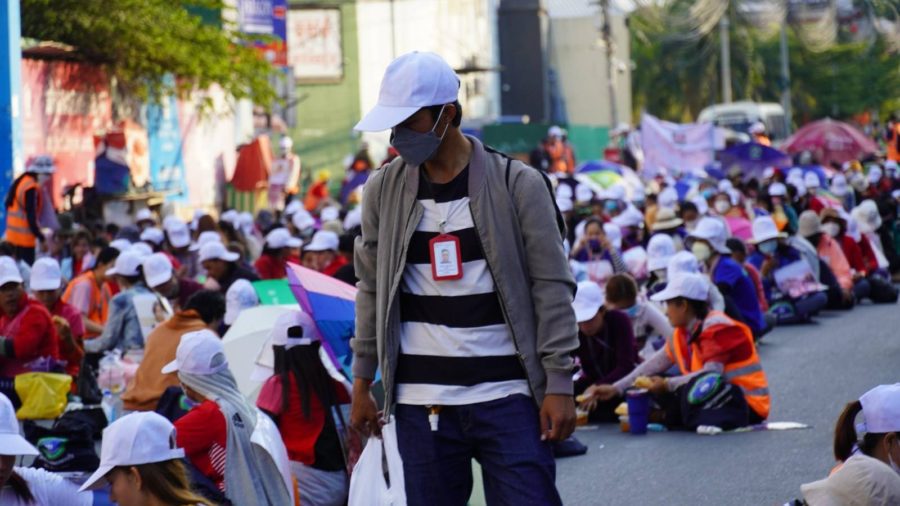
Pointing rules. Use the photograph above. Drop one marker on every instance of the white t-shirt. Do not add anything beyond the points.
(47, 488)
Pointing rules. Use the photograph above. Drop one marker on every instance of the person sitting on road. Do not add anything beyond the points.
(647, 321)
(279, 248)
(142, 464)
(46, 286)
(88, 294)
(223, 266)
(26, 328)
(712, 352)
(707, 243)
(123, 329)
(607, 350)
(773, 252)
(159, 274)
(832, 255)
(879, 435)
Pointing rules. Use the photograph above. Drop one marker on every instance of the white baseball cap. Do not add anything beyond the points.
(330, 213)
(839, 185)
(45, 275)
(667, 198)
(684, 284)
(711, 230)
(135, 439)
(411, 82)
(630, 217)
(281, 238)
(683, 261)
(583, 193)
(777, 190)
(555, 131)
(811, 180)
(142, 249)
(881, 409)
(157, 269)
(230, 216)
(120, 244)
(764, 229)
(200, 352)
(240, 296)
(179, 234)
(564, 205)
(660, 249)
(875, 174)
(303, 220)
(153, 234)
(293, 207)
(353, 218)
(127, 264)
(564, 191)
(143, 215)
(206, 238)
(11, 442)
(217, 251)
(589, 298)
(323, 240)
(613, 233)
(278, 336)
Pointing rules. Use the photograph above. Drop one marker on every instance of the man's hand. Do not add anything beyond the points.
(363, 410)
(557, 417)
(596, 393)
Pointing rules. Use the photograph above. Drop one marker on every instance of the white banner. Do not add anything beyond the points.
(314, 44)
(687, 147)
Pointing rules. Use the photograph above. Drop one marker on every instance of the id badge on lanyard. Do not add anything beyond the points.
(445, 253)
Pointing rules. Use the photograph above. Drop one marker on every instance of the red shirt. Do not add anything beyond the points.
(298, 432)
(202, 434)
(72, 355)
(33, 336)
(338, 262)
(869, 258)
(853, 253)
(271, 267)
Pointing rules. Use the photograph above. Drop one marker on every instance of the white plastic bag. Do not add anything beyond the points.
(367, 484)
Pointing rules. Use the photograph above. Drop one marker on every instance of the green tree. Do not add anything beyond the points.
(141, 42)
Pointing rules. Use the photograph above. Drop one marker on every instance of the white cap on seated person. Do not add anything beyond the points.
(179, 234)
(200, 352)
(11, 441)
(302, 220)
(564, 191)
(881, 410)
(684, 284)
(777, 190)
(811, 180)
(353, 218)
(281, 238)
(157, 270)
(45, 275)
(330, 213)
(666, 219)
(153, 235)
(206, 238)
(126, 264)
(231, 217)
(660, 250)
(564, 205)
(630, 217)
(713, 231)
(293, 207)
(583, 193)
(839, 185)
(764, 229)
(278, 336)
(217, 251)
(240, 296)
(143, 215)
(120, 244)
(134, 439)
(323, 240)
(667, 198)
(683, 261)
(141, 248)
(589, 298)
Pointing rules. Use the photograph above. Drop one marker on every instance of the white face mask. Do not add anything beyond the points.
(701, 251)
(831, 228)
(722, 206)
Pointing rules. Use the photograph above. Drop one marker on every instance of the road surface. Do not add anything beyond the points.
(813, 371)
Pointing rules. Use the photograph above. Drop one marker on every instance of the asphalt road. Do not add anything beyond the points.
(813, 371)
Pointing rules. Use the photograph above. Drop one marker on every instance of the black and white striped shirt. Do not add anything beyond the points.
(455, 345)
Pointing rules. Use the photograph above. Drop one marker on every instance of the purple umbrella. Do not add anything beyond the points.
(752, 158)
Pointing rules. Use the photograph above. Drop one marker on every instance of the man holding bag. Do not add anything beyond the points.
(475, 356)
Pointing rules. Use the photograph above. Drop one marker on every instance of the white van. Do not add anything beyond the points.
(739, 116)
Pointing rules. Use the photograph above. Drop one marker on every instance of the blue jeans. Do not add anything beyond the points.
(503, 435)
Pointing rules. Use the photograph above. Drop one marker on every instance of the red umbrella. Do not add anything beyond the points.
(830, 141)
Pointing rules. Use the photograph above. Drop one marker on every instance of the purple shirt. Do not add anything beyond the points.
(610, 355)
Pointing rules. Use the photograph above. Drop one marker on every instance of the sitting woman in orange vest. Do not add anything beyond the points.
(708, 347)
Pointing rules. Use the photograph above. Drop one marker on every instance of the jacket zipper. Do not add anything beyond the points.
(512, 331)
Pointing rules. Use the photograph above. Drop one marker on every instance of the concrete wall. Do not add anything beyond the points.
(580, 63)
(461, 31)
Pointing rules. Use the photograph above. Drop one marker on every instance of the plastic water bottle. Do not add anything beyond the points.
(109, 405)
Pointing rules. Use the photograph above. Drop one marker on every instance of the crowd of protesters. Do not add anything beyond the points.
(677, 281)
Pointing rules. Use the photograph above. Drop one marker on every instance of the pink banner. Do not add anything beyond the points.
(63, 105)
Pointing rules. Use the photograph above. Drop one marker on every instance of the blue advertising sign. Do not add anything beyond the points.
(255, 16)
(164, 137)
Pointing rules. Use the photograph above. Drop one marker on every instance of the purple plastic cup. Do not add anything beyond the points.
(638, 400)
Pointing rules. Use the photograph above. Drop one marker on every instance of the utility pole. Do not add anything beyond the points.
(10, 97)
(785, 81)
(393, 33)
(606, 32)
(725, 42)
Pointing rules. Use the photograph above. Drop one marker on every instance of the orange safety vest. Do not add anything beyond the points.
(100, 297)
(17, 231)
(747, 374)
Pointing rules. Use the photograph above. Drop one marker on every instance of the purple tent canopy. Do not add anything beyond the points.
(752, 158)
